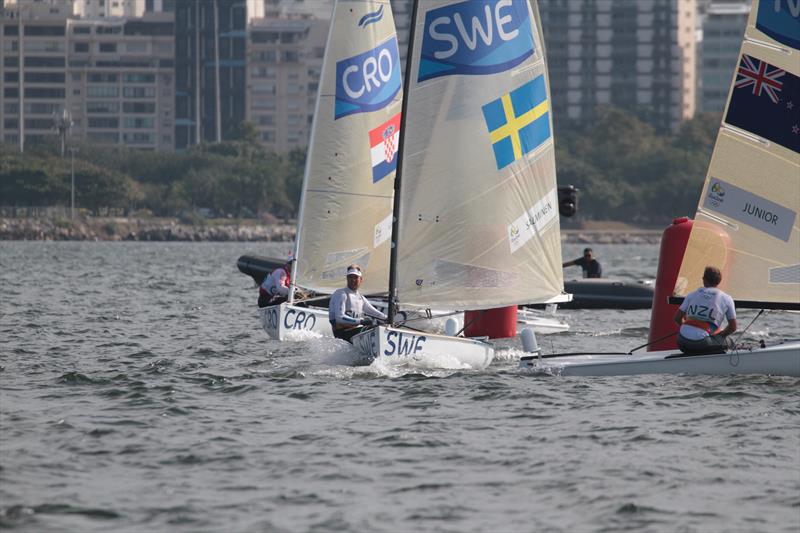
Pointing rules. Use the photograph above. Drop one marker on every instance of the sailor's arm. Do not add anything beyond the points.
(370, 310)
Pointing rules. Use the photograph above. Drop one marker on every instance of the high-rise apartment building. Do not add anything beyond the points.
(210, 68)
(284, 64)
(723, 29)
(115, 76)
(637, 55)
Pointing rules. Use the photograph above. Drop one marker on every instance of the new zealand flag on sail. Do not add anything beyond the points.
(766, 102)
(780, 19)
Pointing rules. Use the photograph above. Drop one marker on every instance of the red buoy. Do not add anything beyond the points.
(499, 323)
(673, 246)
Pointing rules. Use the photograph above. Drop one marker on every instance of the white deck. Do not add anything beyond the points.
(781, 359)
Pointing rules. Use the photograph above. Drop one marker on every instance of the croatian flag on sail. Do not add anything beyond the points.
(383, 142)
(766, 101)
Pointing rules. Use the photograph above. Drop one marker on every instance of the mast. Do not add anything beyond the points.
(398, 174)
(312, 137)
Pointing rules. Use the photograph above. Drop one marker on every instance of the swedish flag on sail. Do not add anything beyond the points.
(518, 122)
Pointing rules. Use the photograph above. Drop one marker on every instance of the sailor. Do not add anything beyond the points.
(348, 309)
(701, 314)
(591, 266)
(274, 290)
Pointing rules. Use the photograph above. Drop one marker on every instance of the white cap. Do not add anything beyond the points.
(354, 271)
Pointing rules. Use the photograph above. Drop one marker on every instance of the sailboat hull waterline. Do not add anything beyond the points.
(401, 346)
(295, 322)
(778, 360)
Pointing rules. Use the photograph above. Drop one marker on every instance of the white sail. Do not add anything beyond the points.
(346, 205)
(478, 218)
(747, 219)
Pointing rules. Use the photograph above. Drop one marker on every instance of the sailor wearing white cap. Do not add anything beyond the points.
(348, 308)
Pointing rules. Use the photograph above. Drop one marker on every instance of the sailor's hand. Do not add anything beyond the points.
(366, 321)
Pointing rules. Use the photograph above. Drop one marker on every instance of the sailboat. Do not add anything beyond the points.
(346, 201)
(475, 207)
(747, 218)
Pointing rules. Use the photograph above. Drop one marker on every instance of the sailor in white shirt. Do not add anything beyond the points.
(274, 289)
(701, 314)
(349, 309)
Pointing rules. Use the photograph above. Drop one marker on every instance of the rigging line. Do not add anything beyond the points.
(480, 314)
(432, 316)
(655, 341)
(748, 327)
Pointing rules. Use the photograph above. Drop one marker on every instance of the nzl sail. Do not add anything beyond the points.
(747, 221)
(477, 207)
(346, 204)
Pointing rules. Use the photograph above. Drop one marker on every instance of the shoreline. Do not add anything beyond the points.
(250, 230)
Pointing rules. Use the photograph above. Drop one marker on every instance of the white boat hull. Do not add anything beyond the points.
(403, 346)
(285, 321)
(779, 360)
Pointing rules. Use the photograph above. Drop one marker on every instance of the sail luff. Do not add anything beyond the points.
(348, 191)
(392, 303)
(311, 139)
(747, 217)
(478, 222)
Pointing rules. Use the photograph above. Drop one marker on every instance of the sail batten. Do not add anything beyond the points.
(747, 219)
(477, 206)
(348, 184)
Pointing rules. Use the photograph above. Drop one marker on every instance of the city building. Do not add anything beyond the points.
(284, 65)
(113, 75)
(210, 68)
(723, 27)
(638, 56)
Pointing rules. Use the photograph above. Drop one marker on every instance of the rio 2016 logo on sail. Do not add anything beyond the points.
(369, 81)
(475, 38)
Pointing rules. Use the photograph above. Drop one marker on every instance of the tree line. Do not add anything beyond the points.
(624, 169)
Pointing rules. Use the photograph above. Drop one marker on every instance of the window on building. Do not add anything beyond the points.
(81, 30)
(45, 77)
(102, 77)
(102, 91)
(103, 122)
(99, 107)
(139, 92)
(44, 92)
(139, 78)
(42, 61)
(103, 136)
(107, 47)
(44, 30)
(139, 122)
(139, 107)
(138, 138)
(81, 48)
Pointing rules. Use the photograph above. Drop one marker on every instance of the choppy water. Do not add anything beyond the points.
(138, 394)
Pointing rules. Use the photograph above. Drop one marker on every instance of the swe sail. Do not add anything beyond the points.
(478, 206)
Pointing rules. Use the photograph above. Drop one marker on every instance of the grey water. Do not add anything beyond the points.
(138, 393)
